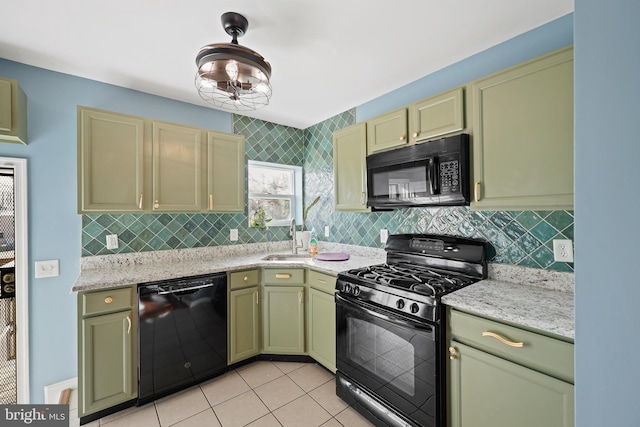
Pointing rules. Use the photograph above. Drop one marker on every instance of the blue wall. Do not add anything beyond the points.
(54, 225)
(607, 90)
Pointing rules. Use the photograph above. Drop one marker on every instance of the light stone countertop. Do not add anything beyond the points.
(101, 272)
(538, 307)
(539, 299)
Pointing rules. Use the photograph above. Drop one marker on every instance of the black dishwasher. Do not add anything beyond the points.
(182, 333)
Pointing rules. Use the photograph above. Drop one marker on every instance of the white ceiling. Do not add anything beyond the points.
(327, 55)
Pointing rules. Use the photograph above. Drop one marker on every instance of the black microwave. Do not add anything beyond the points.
(433, 173)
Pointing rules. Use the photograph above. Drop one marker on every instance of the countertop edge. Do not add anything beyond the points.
(545, 310)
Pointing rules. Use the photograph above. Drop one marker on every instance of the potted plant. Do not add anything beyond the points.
(304, 236)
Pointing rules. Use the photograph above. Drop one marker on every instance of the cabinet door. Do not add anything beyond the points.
(523, 136)
(436, 116)
(487, 391)
(350, 169)
(283, 322)
(177, 175)
(110, 162)
(13, 112)
(387, 131)
(322, 328)
(244, 323)
(108, 373)
(225, 172)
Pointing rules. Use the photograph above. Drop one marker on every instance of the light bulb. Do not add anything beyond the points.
(232, 70)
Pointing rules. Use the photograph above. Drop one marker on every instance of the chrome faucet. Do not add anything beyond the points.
(292, 233)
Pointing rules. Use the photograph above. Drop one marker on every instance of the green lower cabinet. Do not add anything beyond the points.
(488, 391)
(108, 373)
(322, 328)
(283, 320)
(244, 323)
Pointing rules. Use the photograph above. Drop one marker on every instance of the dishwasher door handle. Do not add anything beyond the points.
(192, 288)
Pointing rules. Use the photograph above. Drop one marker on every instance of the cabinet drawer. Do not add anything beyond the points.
(279, 276)
(542, 353)
(322, 282)
(242, 279)
(106, 301)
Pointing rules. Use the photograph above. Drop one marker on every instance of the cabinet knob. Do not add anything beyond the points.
(403, 137)
(245, 278)
(452, 353)
(415, 134)
(108, 300)
(156, 205)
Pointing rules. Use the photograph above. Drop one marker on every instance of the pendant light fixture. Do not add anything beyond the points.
(231, 76)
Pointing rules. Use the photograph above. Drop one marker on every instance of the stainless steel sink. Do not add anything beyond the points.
(288, 257)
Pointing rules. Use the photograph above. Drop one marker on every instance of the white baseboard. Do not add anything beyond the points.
(52, 392)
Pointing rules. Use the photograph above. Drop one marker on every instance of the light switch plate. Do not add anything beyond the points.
(112, 241)
(233, 234)
(326, 231)
(384, 235)
(562, 250)
(48, 268)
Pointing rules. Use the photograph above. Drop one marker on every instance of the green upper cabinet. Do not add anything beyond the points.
(350, 169)
(225, 172)
(387, 131)
(129, 164)
(177, 173)
(523, 136)
(436, 116)
(110, 162)
(13, 112)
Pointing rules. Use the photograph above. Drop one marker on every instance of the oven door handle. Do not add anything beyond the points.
(383, 314)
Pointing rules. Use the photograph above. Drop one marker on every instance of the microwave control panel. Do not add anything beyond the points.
(450, 174)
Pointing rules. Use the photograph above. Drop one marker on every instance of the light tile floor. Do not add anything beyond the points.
(261, 394)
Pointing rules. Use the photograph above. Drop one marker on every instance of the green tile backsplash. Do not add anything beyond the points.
(518, 237)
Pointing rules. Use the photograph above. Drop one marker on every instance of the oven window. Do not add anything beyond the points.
(383, 353)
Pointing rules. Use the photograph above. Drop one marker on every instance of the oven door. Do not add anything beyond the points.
(392, 357)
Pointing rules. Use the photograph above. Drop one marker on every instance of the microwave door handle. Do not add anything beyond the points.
(432, 176)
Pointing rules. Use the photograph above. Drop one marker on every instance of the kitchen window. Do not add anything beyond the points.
(275, 194)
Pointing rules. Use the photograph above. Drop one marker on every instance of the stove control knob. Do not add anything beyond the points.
(415, 308)
(400, 304)
(356, 291)
(347, 288)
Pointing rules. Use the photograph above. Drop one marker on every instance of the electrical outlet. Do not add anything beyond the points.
(112, 241)
(562, 250)
(49, 268)
(233, 234)
(326, 231)
(384, 235)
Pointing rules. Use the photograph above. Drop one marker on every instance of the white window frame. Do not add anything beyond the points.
(296, 197)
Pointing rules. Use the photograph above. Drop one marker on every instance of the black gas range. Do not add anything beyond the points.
(390, 327)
